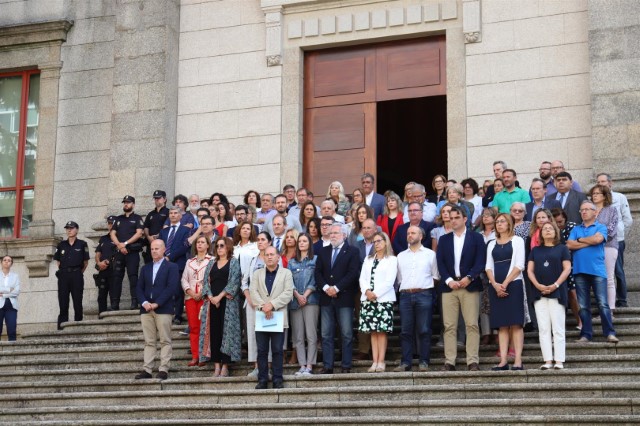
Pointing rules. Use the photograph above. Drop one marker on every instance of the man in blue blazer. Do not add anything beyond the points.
(175, 238)
(372, 199)
(399, 243)
(337, 273)
(461, 257)
(155, 290)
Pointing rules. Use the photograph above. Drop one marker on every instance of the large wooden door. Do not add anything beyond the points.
(341, 89)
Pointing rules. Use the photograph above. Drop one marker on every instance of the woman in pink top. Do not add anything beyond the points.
(192, 282)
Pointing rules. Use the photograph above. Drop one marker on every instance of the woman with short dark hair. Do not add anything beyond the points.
(9, 291)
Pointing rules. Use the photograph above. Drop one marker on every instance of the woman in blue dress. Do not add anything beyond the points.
(505, 263)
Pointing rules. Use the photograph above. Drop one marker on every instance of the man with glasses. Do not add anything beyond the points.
(337, 273)
(557, 167)
(415, 212)
(625, 221)
(289, 191)
(538, 192)
(569, 198)
(461, 257)
(241, 215)
(586, 241)
(419, 195)
(510, 194)
(325, 227)
(266, 210)
(417, 268)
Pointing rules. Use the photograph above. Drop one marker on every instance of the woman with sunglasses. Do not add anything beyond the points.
(520, 226)
(220, 335)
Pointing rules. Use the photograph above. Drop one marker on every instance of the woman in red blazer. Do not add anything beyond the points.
(392, 218)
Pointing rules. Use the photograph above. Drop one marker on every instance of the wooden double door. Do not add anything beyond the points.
(341, 91)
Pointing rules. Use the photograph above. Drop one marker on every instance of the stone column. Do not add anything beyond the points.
(614, 28)
(145, 93)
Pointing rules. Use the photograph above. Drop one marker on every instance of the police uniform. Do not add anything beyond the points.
(154, 222)
(125, 228)
(107, 249)
(70, 278)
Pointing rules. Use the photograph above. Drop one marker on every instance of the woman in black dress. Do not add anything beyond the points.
(548, 269)
(505, 263)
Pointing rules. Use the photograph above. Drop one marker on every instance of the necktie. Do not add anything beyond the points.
(336, 250)
(278, 243)
(172, 235)
(562, 200)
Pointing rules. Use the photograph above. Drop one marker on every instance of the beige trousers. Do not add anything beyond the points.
(156, 327)
(469, 303)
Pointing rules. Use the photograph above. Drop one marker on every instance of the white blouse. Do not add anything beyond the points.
(10, 288)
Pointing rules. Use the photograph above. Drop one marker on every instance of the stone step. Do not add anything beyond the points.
(223, 394)
(284, 410)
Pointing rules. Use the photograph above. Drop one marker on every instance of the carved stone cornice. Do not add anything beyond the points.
(472, 21)
(37, 253)
(40, 32)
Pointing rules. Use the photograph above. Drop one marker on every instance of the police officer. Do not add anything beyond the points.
(154, 222)
(72, 256)
(125, 234)
(105, 252)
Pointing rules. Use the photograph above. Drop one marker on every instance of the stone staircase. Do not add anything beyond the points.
(83, 375)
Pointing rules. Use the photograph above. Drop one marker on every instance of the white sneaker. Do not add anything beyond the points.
(307, 372)
(300, 372)
(253, 373)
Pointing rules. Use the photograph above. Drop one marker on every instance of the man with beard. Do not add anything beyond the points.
(557, 166)
(125, 234)
(281, 209)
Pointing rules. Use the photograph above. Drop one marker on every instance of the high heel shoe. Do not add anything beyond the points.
(381, 367)
(216, 372)
(193, 363)
(373, 367)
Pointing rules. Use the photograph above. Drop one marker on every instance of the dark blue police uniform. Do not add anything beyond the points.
(107, 249)
(70, 279)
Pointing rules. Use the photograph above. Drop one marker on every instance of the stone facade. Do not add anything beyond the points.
(197, 96)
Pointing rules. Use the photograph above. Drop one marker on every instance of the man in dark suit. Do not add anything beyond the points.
(175, 238)
(337, 273)
(568, 198)
(372, 198)
(461, 257)
(155, 289)
(415, 211)
(538, 196)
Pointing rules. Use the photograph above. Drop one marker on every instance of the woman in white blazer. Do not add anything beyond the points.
(377, 280)
(9, 291)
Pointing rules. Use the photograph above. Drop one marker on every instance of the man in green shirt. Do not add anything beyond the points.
(510, 194)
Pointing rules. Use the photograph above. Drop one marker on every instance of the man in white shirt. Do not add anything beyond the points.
(279, 224)
(418, 195)
(625, 220)
(417, 268)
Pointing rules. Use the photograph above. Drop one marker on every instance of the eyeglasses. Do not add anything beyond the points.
(596, 193)
(220, 246)
(517, 211)
(324, 225)
(377, 241)
(501, 221)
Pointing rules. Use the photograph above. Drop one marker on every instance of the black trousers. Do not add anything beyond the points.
(70, 283)
(104, 282)
(130, 262)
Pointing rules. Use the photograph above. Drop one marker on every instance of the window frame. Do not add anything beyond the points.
(20, 188)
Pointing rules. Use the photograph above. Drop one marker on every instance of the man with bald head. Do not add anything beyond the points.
(157, 284)
(557, 166)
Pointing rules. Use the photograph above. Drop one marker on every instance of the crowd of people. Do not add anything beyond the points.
(288, 272)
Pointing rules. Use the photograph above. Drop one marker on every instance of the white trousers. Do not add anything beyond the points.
(551, 318)
(610, 257)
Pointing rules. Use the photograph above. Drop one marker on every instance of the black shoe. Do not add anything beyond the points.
(514, 368)
(278, 385)
(622, 305)
(473, 367)
(162, 375)
(262, 385)
(143, 375)
(448, 367)
(59, 326)
(134, 305)
(326, 371)
(503, 368)
(177, 321)
(114, 308)
(346, 370)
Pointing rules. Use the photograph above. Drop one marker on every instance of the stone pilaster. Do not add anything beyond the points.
(145, 90)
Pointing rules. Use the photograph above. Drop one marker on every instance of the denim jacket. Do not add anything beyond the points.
(303, 278)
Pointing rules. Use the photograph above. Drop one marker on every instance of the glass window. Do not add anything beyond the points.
(19, 118)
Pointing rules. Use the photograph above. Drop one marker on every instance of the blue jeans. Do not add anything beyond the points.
(621, 280)
(9, 315)
(584, 284)
(416, 311)
(344, 316)
(263, 339)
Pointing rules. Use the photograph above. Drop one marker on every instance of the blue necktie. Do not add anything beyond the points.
(562, 200)
(172, 235)
(336, 250)
(278, 243)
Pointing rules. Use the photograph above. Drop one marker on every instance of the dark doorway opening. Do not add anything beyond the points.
(411, 142)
